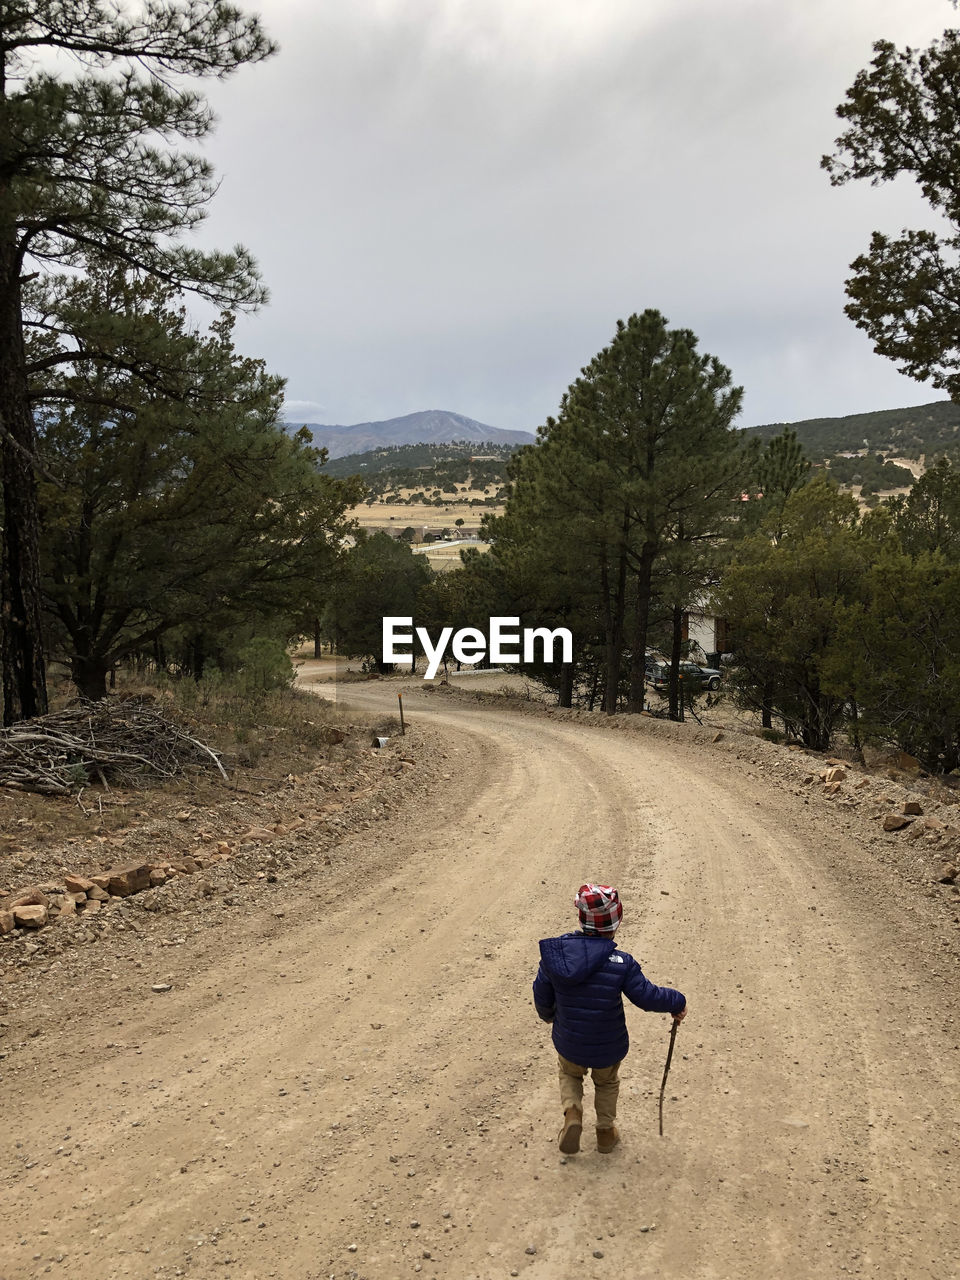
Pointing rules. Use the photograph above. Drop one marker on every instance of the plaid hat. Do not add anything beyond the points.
(599, 907)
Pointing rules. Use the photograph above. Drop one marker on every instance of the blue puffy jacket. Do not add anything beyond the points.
(580, 987)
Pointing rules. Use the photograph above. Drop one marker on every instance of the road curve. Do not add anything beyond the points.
(371, 1095)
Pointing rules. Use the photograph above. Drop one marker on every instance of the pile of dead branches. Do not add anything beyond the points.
(126, 743)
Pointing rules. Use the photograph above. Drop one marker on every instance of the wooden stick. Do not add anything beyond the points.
(666, 1069)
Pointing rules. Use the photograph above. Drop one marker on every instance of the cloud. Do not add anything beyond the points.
(305, 409)
(453, 201)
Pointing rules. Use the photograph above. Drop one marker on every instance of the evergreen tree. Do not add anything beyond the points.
(88, 166)
(685, 576)
(776, 470)
(928, 517)
(639, 461)
(787, 602)
(903, 118)
(902, 646)
(378, 577)
(642, 445)
(448, 599)
(171, 500)
(541, 565)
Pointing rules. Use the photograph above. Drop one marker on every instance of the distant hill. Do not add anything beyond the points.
(925, 430)
(431, 426)
(409, 464)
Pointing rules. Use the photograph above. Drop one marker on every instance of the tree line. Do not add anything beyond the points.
(849, 622)
(408, 459)
(871, 471)
(920, 431)
(641, 501)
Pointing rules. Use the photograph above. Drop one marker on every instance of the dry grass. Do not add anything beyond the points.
(383, 515)
(265, 739)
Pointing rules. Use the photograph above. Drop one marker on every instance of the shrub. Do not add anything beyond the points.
(265, 665)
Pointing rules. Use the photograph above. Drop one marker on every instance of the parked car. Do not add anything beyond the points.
(693, 675)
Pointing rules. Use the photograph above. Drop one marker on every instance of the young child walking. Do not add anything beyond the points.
(579, 987)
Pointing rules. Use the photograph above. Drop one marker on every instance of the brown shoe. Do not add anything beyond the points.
(570, 1133)
(607, 1139)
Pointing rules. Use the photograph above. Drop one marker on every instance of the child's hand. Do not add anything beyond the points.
(679, 1017)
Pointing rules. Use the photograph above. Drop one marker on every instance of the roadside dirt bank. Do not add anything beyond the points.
(315, 1084)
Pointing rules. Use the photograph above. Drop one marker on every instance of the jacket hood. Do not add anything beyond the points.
(573, 957)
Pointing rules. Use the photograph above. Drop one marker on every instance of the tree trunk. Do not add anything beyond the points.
(22, 667)
(594, 688)
(317, 642)
(766, 706)
(638, 663)
(855, 730)
(676, 692)
(89, 674)
(817, 725)
(565, 698)
(614, 608)
(198, 656)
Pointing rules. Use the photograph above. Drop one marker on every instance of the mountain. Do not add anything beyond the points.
(924, 430)
(431, 426)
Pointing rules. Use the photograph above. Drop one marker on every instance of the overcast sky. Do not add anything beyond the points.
(452, 201)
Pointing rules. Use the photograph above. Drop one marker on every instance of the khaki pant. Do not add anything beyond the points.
(606, 1089)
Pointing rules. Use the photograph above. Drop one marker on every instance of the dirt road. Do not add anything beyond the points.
(370, 1094)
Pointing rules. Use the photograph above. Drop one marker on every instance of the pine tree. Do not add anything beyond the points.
(903, 118)
(170, 498)
(787, 602)
(902, 655)
(641, 449)
(928, 517)
(87, 167)
(645, 444)
(541, 566)
(378, 577)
